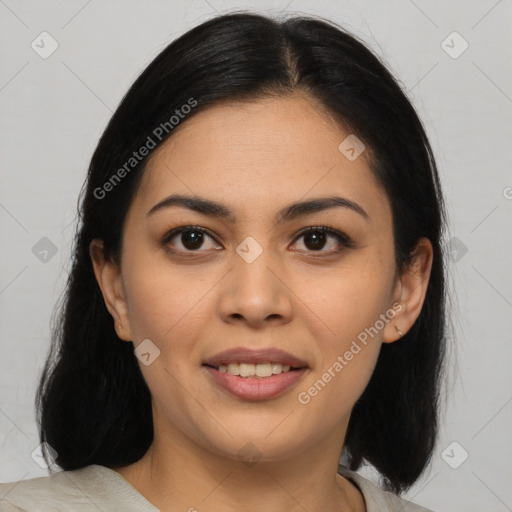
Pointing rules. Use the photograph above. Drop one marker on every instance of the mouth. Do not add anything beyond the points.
(252, 387)
(255, 374)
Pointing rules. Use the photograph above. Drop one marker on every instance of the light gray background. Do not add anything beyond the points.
(53, 111)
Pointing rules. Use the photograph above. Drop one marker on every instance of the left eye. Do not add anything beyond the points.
(193, 237)
(315, 238)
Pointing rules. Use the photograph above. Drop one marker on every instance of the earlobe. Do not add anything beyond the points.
(411, 291)
(109, 278)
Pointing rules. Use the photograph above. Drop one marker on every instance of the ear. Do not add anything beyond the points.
(410, 291)
(110, 282)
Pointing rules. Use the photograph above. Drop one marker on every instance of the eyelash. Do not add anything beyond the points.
(343, 239)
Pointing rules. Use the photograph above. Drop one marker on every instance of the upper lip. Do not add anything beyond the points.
(255, 356)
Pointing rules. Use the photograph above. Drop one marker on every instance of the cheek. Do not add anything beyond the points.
(160, 299)
(168, 307)
(352, 298)
(354, 306)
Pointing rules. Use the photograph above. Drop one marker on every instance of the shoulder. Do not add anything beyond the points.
(376, 498)
(80, 490)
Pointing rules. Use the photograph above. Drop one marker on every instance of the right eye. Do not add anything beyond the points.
(191, 239)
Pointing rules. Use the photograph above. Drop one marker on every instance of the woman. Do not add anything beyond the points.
(257, 288)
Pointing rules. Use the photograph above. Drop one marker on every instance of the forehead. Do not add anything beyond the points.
(290, 128)
(259, 154)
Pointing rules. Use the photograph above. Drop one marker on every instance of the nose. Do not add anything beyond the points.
(256, 292)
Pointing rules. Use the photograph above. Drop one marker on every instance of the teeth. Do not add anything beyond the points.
(233, 369)
(251, 370)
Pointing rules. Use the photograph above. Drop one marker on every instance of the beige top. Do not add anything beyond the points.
(95, 487)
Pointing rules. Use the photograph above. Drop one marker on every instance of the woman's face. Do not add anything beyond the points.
(254, 281)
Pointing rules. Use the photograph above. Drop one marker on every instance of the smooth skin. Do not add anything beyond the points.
(256, 157)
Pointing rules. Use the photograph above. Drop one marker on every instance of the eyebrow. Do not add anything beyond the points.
(287, 214)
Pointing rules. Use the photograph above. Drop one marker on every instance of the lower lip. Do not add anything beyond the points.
(256, 388)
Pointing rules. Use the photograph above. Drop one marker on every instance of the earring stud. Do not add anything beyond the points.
(400, 333)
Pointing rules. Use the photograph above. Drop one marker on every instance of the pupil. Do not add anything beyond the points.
(318, 240)
(194, 239)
